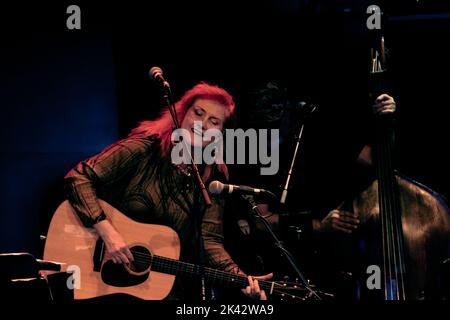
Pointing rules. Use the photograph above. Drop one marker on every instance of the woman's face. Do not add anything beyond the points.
(208, 114)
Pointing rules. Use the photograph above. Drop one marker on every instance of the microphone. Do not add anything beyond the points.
(157, 75)
(217, 187)
(306, 108)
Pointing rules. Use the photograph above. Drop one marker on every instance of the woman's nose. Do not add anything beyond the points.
(206, 125)
(200, 124)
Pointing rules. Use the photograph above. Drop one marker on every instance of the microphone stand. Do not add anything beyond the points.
(198, 215)
(294, 157)
(257, 214)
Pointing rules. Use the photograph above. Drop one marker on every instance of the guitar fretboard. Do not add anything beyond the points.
(212, 276)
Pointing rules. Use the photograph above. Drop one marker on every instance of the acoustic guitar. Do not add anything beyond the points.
(155, 248)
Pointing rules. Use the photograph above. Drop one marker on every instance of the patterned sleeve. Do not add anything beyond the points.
(103, 170)
(212, 229)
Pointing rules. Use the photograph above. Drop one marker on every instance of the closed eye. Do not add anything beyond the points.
(198, 112)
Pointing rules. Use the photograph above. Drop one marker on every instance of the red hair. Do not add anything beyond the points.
(163, 125)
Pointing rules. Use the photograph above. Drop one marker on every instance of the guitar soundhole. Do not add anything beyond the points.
(117, 274)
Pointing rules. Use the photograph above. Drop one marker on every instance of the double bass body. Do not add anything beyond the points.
(425, 225)
(404, 226)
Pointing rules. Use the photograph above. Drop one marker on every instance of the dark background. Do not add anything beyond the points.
(66, 94)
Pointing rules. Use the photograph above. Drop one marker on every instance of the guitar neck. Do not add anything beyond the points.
(212, 276)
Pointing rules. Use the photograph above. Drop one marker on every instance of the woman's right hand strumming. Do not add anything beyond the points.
(115, 245)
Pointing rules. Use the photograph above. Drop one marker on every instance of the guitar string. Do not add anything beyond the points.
(190, 268)
(216, 274)
(264, 285)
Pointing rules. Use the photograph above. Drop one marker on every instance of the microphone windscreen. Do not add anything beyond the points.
(215, 187)
(154, 71)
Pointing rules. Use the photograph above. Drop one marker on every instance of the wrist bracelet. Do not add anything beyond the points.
(101, 217)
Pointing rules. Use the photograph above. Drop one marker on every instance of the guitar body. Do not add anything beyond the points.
(156, 250)
(69, 242)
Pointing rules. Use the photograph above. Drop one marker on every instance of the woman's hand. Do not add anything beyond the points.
(115, 245)
(384, 104)
(253, 290)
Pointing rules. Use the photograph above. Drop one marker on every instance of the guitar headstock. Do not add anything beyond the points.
(294, 291)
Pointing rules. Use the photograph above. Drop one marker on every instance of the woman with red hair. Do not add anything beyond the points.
(136, 175)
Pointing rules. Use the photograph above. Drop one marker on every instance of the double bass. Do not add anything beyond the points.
(401, 249)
